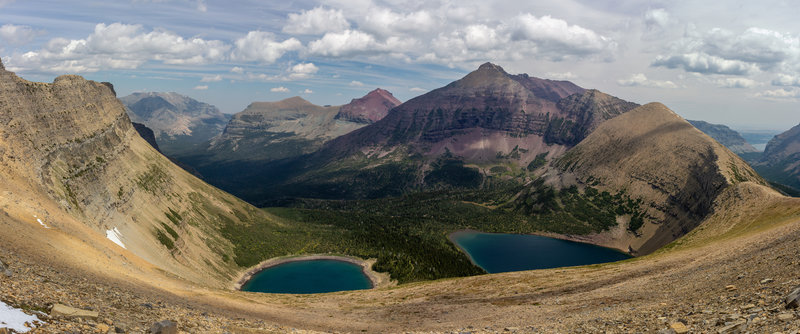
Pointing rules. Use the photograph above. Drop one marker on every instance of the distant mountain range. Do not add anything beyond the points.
(181, 124)
(725, 136)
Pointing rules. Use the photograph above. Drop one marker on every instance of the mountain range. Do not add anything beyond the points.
(781, 159)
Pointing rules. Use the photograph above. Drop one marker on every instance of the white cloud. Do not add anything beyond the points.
(308, 91)
(201, 6)
(720, 51)
(417, 89)
(316, 21)
(346, 43)
(210, 78)
(204, 87)
(705, 64)
(553, 36)
(119, 46)
(780, 94)
(262, 47)
(280, 89)
(302, 71)
(355, 83)
(736, 83)
(786, 80)
(237, 70)
(657, 18)
(560, 76)
(384, 22)
(16, 34)
(640, 80)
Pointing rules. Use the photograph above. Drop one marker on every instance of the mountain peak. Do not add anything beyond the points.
(370, 108)
(294, 102)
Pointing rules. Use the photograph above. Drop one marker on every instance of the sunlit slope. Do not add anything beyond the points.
(653, 155)
(71, 158)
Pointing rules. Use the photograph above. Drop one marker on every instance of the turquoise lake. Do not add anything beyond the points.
(309, 276)
(498, 252)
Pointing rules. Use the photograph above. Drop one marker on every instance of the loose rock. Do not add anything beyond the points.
(64, 311)
(679, 327)
(164, 327)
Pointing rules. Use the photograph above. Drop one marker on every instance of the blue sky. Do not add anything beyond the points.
(730, 62)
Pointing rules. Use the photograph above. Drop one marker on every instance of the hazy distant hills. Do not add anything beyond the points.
(181, 124)
(781, 159)
(725, 136)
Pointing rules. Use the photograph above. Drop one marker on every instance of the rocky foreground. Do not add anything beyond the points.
(744, 286)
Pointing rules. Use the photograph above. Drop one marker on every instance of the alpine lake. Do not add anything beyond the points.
(494, 252)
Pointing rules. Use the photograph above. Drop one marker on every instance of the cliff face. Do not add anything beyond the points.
(725, 136)
(653, 155)
(71, 164)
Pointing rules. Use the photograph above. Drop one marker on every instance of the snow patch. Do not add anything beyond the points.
(41, 222)
(15, 319)
(115, 236)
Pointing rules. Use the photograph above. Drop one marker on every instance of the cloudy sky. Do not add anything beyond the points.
(731, 62)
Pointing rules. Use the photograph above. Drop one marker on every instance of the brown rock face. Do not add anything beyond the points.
(781, 159)
(369, 109)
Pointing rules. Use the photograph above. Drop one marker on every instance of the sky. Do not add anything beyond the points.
(728, 62)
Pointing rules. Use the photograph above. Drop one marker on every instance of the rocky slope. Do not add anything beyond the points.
(181, 124)
(780, 162)
(725, 136)
(368, 109)
(77, 177)
(654, 156)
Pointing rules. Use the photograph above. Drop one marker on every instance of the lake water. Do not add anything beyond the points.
(498, 252)
(309, 276)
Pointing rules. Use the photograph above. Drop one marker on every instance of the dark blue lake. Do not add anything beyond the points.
(309, 276)
(498, 252)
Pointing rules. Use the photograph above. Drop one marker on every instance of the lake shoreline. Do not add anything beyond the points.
(377, 279)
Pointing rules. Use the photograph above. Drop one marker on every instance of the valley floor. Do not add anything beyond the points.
(732, 271)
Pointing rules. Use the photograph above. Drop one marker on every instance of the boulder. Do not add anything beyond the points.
(793, 299)
(64, 311)
(164, 327)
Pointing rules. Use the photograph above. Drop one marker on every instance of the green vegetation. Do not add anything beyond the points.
(170, 231)
(165, 240)
(408, 235)
(539, 161)
(174, 217)
(153, 179)
(452, 173)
